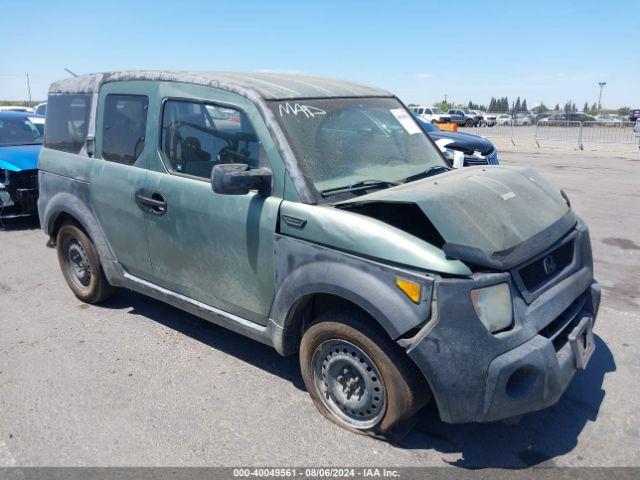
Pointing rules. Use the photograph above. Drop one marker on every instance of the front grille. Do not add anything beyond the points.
(22, 188)
(474, 161)
(490, 159)
(547, 267)
(23, 179)
(559, 329)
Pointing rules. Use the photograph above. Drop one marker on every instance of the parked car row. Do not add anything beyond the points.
(40, 109)
(522, 118)
(16, 108)
(461, 117)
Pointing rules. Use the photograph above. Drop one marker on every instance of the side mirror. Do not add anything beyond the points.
(238, 179)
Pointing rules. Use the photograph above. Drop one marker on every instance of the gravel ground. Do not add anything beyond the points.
(136, 382)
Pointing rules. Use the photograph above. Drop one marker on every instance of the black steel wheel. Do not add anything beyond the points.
(351, 385)
(80, 265)
(358, 377)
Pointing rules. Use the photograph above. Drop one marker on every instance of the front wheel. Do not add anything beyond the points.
(468, 123)
(358, 378)
(81, 266)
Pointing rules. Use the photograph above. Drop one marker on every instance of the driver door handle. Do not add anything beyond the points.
(151, 202)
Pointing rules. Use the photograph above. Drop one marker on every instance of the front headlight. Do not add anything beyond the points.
(493, 306)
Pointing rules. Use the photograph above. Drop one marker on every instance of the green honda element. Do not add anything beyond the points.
(316, 216)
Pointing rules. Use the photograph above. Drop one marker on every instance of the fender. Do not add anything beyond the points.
(304, 268)
(58, 195)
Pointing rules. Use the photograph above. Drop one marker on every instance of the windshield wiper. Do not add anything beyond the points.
(359, 185)
(427, 173)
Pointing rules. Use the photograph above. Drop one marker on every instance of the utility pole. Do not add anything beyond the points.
(29, 88)
(602, 84)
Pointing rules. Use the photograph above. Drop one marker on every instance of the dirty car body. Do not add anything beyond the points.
(20, 143)
(326, 193)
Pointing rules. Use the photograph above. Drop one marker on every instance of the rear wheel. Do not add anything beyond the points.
(468, 123)
(358, 378)
(80, 265)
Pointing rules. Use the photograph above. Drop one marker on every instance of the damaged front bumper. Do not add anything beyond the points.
(477, 376)
(19, 194)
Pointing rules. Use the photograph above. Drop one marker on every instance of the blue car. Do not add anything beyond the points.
(20, 143)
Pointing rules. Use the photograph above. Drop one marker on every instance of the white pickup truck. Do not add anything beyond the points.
(431, 114)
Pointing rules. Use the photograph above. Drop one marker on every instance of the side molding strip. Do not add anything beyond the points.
(270, 334)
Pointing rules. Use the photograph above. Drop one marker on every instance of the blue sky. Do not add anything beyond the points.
(549, 51)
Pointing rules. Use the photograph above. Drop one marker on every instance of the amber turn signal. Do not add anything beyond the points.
(410, 289)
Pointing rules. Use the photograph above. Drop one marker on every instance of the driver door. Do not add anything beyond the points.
(214, 248)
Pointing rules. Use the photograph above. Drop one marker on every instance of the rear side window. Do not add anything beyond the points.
(196, 136)
(67, 122)
(124, 127)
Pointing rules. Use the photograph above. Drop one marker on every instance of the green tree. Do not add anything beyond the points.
(585, 109)
(476, 106)
(542, 108)
(524, 105)
(624, 111)
(557, 107)
(570, 107)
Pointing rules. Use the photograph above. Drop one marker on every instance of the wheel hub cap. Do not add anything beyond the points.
(349, 383)
(78, 264)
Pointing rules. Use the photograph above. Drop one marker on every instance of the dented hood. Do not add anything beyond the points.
(489, 216)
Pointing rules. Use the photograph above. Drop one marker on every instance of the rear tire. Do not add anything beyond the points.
(80, 265)
(468, 123)
(358, 378)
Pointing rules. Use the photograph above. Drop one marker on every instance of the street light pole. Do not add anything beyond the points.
(29, 88)
(602, 84)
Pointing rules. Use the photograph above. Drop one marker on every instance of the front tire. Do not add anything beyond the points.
(468, 123)
(358, 378)
(80, 265)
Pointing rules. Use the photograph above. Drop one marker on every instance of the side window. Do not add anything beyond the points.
(197, 136)
(124, 127)
(67, 122)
